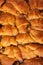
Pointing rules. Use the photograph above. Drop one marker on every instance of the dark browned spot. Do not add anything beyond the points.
(3, 3)
(0, 62)
(16, 63)
(41, 11)
(27, 1)
(0, 38)
(2, 50)
(0, 26)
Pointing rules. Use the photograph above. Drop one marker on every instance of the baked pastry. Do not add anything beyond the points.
(0, 45)
(36, 4)
(22, 24)
(8, 40)
(18, 53)
(24, 38)
(14, 7)
(20, 5)
(21, 52)
(6, 60)
(37, 35)
(19, 39)
(7, 7)
(1, 2)
(33, 14)
(33, 61)
(8, 30)
(21, 32)
(13, 52)
(37, 24)
(7, 19)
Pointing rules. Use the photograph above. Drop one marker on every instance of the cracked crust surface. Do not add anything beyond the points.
(21, 32)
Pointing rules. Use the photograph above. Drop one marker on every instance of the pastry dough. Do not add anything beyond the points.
(7, 19)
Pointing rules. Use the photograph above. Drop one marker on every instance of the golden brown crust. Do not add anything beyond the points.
(33, 61)
(37, 35)
(8, 7)
(0, 45)
(36, 4)
(1, 2)
(40, 4)
(37, 24)
(22, 24)
(24, 52)
(5, 60)
(20, 5)
(19, 39)
(13, 52)
(24, 38)
(6, 19)
(8, 30)
(37, 49)
(8, 40)
(33, 14)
